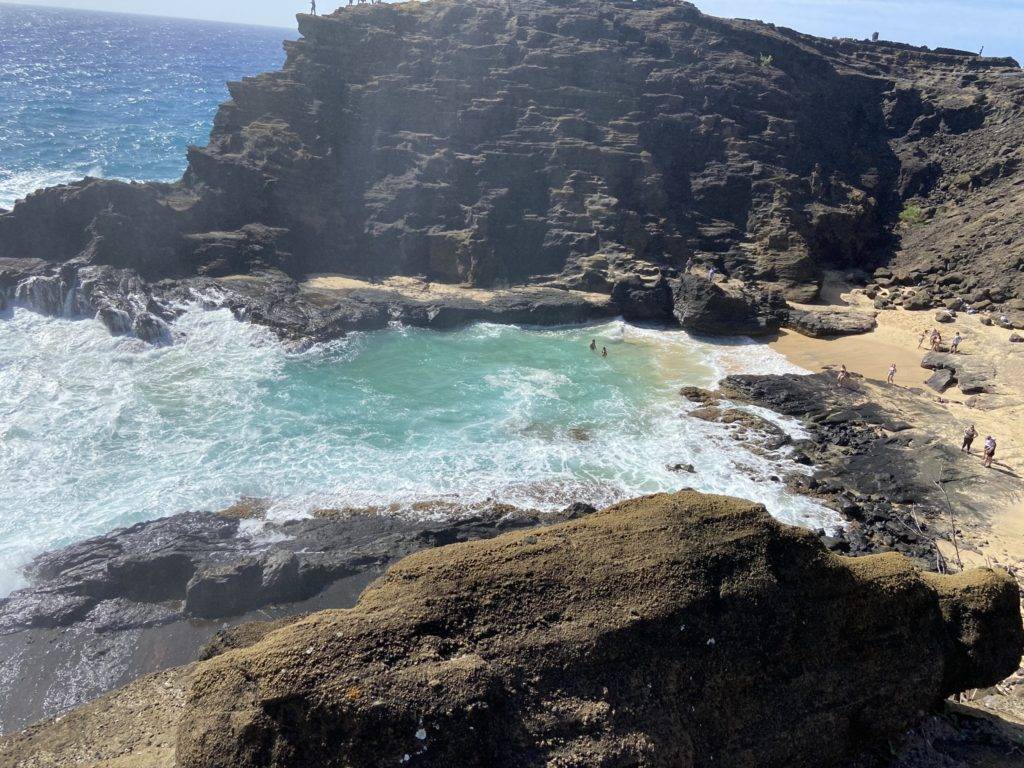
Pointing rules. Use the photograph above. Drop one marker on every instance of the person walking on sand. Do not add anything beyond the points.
(921, 338)
(990, 450)
(954, 347)
(936, 340)
(604, 351)
(892, 373)
(969, 434)
(593, 345)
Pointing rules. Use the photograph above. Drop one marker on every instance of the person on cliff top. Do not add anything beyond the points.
(312, 7)
(604, 351)
(593, 345)
(990, 450)
(892, 373)
(969, 434)
(954, 347)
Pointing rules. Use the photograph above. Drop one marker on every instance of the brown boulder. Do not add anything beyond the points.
(675, 630)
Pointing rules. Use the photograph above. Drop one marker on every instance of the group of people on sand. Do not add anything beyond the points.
(989, 449)
(935, 340)
(593, 348)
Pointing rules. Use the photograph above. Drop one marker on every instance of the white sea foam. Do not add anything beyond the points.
(17, 186)
(97, 431)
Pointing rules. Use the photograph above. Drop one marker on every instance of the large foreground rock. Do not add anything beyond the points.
(676, 630)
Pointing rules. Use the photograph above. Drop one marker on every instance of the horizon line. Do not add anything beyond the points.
(145, 15)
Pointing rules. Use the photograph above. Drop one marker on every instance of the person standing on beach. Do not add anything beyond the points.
(969, 434)
(990, 450)
(954, 347)
(921, 338)
(892, 373)
(843, 376)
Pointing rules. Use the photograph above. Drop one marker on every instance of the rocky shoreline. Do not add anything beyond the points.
(104, 612)
(554, 163)
(471, 619)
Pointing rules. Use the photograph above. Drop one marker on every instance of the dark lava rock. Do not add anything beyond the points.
(569, 144)
(941, 380)
(102, 612)
(919, 299)
(829, 323)
(707, 307)
(972, 375)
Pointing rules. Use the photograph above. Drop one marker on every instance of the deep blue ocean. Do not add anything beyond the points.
(112, 95)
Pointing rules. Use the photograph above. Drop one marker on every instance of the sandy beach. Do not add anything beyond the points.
(997, 537)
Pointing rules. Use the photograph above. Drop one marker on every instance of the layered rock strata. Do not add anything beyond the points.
(598, 146)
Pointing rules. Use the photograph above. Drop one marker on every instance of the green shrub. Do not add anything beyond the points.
(912, 214)
(767, 60)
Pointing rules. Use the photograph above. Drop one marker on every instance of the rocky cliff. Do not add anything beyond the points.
(593, 145)
(681, 630)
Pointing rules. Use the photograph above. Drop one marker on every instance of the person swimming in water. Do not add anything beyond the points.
(593, 345)
(604, 351)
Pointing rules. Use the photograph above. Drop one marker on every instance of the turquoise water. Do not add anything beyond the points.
(99, 431)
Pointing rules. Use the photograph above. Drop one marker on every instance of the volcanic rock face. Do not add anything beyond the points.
(583, 145)
(680, 630)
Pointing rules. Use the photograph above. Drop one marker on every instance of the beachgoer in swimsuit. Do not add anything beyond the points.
(593, 345)
(969, 434)
(955, 346)
(990, 450)
(921, 338)
(604, 351)
(843, 376)
(892, 373)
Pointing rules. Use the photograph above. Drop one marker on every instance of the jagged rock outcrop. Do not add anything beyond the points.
(663, 631)
(597, 145)
(722, 309)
